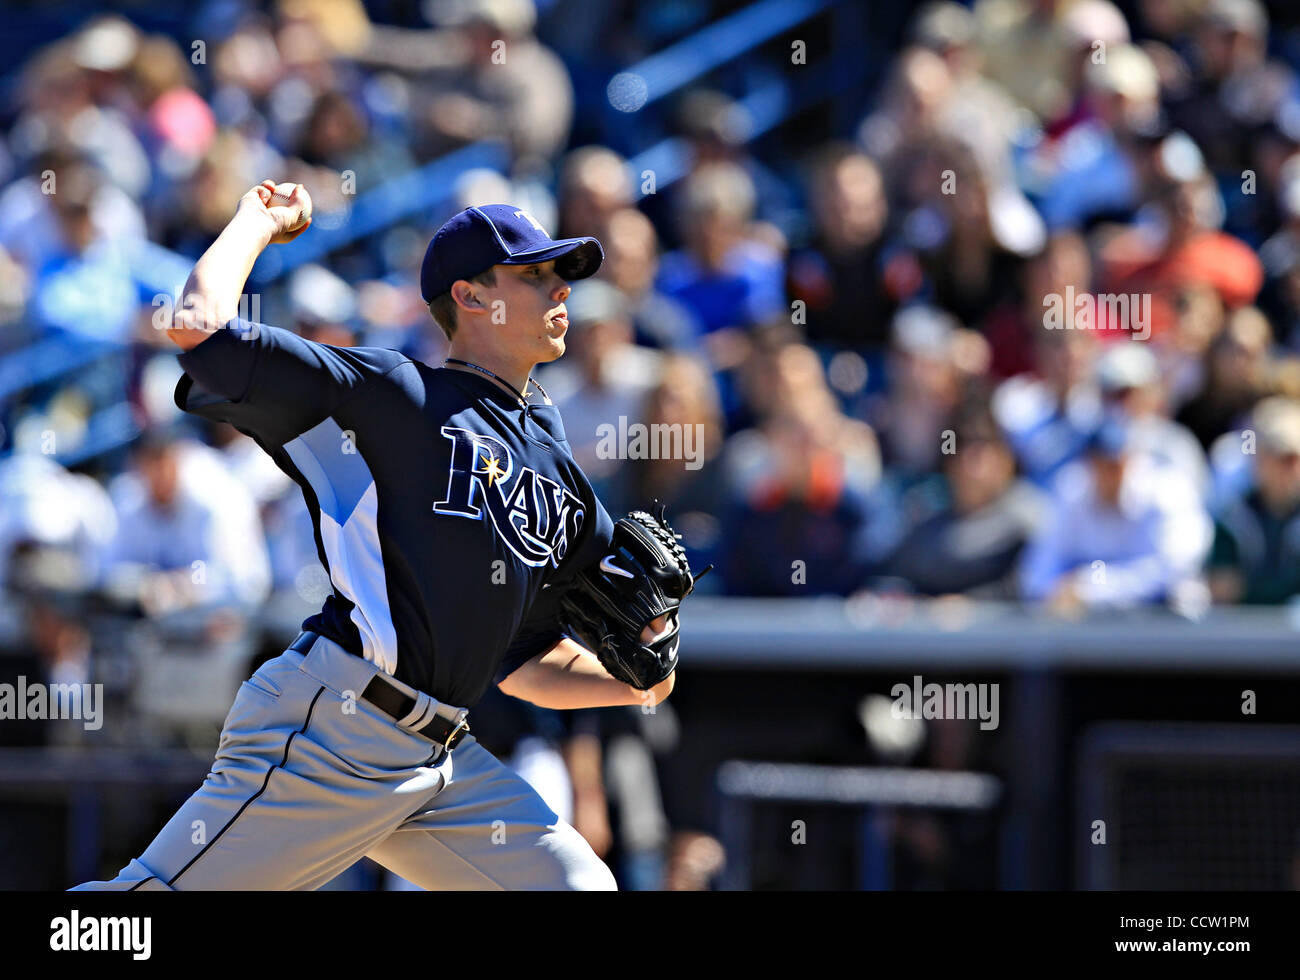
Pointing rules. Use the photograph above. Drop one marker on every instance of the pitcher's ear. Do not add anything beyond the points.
(466, 295)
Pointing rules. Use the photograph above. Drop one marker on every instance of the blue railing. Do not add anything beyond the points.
(692, 58)
(766, 107)
(47, 360)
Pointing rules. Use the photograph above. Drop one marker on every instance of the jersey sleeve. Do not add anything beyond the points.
(593, 541)
(271, 383)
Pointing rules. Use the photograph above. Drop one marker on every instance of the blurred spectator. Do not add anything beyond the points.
(802, 519)
(972, 545)
(1121, 531)
(730, 281)
(322, 306)
(1199, 319)
(1235, 87)
(1037, 48)
(978, 112)
(188, 533)
(1129, 379)
(1094, 32)
(717, 129)
(932, 362)
(246, 66)
(1237, 375)
(508, 86)
(595, 184)
(1014, 329)
(1280, 256)
(31, 228)
(202, 205)
(970, 250)
(842, 276)
(84, 286)
(632, 265)
(903, 133)
(43, 505)
(75, 91)
(1091, 170)
(179, 126)
(1184, 247)
(338, 135)
(692, 489)
(727, 279)
(55, 647)
(1256, 554)
(944, 131)
(604, 379)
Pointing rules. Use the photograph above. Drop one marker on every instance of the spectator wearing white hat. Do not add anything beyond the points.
(1256, 554)
(1091, 169)
(1122, 531)
(1035, 49)
(43, 504)
(1129, 378)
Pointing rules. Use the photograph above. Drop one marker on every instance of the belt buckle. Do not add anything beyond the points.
(462, 725)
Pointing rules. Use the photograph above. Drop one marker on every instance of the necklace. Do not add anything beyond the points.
(521, 395)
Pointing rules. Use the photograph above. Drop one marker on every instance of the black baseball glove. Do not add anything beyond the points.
(645, 575)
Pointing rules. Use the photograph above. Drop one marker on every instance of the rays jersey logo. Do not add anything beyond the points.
(535, 516)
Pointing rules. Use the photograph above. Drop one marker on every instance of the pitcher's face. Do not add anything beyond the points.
(527, 305)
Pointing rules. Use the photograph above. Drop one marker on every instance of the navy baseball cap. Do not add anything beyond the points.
(500, 234)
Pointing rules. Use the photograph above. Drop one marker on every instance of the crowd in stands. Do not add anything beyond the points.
(1033, 337)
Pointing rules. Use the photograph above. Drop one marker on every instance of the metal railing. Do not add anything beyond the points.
(750, 649)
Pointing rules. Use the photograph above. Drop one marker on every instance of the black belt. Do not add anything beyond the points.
(392, 701)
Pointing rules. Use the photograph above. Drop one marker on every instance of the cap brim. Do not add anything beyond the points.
(575, 258)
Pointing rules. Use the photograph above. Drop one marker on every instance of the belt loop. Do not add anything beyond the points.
(416, 716)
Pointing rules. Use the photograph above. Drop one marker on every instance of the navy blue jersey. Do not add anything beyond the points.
(450, 519)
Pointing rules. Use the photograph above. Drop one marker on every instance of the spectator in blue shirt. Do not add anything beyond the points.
(728, 279)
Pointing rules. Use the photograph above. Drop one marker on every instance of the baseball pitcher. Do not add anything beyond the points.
(464, 547)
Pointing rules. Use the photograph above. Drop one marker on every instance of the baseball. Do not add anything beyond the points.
(295, 200)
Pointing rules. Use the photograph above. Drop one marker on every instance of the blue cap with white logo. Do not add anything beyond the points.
(500, 234)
